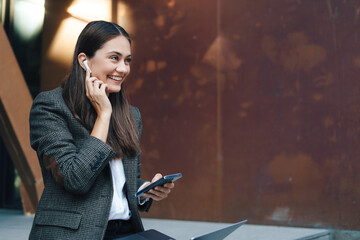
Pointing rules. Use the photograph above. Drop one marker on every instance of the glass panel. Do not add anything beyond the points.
(1, 11)
(81, 12)
(28, 18)
(24, 32)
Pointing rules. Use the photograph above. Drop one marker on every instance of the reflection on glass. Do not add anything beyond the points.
(81, 12)
(124, 17)
(28, 18)
(1, 11)
(88, 10)
(63, 44)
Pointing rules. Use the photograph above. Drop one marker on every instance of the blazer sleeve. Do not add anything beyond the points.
(73, 166)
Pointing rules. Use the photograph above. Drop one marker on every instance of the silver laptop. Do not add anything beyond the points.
(155, 235)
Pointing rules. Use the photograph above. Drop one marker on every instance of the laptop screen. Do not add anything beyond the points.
(220, 233)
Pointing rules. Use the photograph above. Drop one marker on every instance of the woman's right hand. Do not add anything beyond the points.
(96, 93)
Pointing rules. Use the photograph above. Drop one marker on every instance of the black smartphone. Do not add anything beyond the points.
(160, 182)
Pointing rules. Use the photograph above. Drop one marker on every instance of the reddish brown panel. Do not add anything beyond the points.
(276, 80)
(175, 90)
(290, 113)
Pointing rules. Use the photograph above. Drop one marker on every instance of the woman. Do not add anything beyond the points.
(87, 140)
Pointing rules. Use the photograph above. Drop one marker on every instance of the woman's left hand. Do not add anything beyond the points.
(159, 192)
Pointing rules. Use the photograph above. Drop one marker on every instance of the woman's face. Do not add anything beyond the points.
(111, 63)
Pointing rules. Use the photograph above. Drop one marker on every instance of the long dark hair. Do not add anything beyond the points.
(123, 134)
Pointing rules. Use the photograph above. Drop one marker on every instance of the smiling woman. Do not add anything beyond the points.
(87, 138)
(107, 53)
(111, 63)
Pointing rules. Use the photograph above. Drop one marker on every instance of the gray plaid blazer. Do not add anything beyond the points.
(78, 189)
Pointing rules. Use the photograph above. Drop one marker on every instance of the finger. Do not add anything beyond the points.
(156, 177)
(147, 195)
(92, 86)
(89, 82)
(96, 84)
(87, 76)
(156, 195)
(159, 194)
(169, 185)
(99, 82)
(162, 189)
(88, 73)
(146, 184)
(103, 88)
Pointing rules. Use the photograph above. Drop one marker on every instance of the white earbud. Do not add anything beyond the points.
(86, 65)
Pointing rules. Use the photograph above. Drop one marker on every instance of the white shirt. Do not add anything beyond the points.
(120, 206)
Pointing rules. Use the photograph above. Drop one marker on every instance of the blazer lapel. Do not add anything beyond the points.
(130, 174)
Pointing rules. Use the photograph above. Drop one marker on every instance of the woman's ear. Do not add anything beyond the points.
(81, 58)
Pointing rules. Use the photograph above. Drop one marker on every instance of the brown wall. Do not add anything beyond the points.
(255, 102)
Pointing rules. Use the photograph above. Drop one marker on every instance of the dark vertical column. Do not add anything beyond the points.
(7, 178)
(15, 104)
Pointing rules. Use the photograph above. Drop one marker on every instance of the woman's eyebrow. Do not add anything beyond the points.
(117, 53)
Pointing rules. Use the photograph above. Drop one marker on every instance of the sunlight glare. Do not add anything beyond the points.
(28, 18)
(89, 10)
(62, 47)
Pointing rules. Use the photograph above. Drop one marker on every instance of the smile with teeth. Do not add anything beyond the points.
(116, 78)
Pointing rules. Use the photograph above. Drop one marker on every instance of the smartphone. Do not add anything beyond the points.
(160, 182)
(86, 65)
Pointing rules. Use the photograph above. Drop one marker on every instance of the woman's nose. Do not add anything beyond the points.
(122, 67)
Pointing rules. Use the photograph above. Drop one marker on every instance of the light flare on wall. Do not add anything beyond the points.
(124, 18)
(28, 18)
(2, 10)
(89, 10)
(63, 44)
(81, 12)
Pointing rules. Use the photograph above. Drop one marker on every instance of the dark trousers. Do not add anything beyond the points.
(118, 228)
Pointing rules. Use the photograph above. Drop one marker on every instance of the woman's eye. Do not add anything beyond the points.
(128, 60)
(116, 58)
